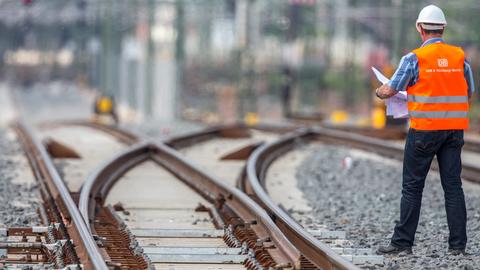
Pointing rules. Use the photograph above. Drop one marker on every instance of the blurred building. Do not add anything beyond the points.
(162, 58)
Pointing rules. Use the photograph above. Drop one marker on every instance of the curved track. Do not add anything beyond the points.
(472, 139)
(244, 223)
(315, 254)
(133, 187)
(258, 164)
(223, 150)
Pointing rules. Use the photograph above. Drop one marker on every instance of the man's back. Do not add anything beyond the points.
(439, 98)
(439, 83)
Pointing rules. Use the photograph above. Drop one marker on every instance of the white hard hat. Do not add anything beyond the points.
(431, 18)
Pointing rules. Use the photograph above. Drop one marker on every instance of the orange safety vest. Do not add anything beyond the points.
(439, 99)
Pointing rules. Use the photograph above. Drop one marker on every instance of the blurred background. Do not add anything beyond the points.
(221, 60)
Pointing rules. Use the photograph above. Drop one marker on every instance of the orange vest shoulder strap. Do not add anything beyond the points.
(455, 50)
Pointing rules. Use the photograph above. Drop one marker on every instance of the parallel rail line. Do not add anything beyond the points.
(389, 133)
(79, 247)
(258, 164)
(375, 145)
(313, 253)
(125, 136)
(273, 236)
(317, 253)
(227, 200)
(85, 246)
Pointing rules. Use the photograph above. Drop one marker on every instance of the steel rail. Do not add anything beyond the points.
(469, 172)
(92, 259)
(472, 145)
(231, 131)
(318, 253)
(237, 201)
(211, 188)
(211, 133)
(259, 162)
(395, 132)
(125, 136)
(100, 181)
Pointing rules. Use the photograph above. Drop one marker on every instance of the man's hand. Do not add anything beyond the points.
(385, 91)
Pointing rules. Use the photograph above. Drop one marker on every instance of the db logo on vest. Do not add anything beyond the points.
(442, 62)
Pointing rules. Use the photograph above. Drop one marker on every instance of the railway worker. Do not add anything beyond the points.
(439, 84)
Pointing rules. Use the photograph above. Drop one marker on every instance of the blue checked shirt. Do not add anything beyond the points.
(407, 72)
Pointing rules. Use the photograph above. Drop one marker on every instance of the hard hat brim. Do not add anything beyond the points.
(432, 26)
(425, 26)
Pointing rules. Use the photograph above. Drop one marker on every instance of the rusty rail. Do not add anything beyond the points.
(316, 252)
(238, 130)
(388, 133)
(226, 198)
(258, 164)
(125, 136)
(87, 249)
(382, 147)
(306, 243)
(98, 184)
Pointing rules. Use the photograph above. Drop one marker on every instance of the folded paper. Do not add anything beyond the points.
(397, 104)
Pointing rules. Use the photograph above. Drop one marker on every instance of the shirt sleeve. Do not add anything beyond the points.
(404, 73)
(469, 78)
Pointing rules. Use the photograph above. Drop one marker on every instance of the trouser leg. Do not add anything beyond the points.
(450, 164)
(416, 164)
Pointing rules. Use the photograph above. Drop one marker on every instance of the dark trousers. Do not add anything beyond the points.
(420, 148)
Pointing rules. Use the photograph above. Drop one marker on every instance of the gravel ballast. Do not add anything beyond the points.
(20, 198)
(359, 193)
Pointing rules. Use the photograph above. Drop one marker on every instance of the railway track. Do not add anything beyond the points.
(78, 147)
(63, 241)
(470, 170)
(63, 222)
(147, 207)
(472, 140)
(177, 216)
(197, 222)
(223, 150)
(240, 142)
(254, 184)
(113, 200)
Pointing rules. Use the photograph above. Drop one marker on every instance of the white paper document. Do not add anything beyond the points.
(397, 104)
(380, 76)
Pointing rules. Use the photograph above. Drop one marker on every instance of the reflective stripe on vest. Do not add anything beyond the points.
(437, 115)
(439, 98)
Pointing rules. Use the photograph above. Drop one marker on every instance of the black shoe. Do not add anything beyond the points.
(456, 252)
(391, 249)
